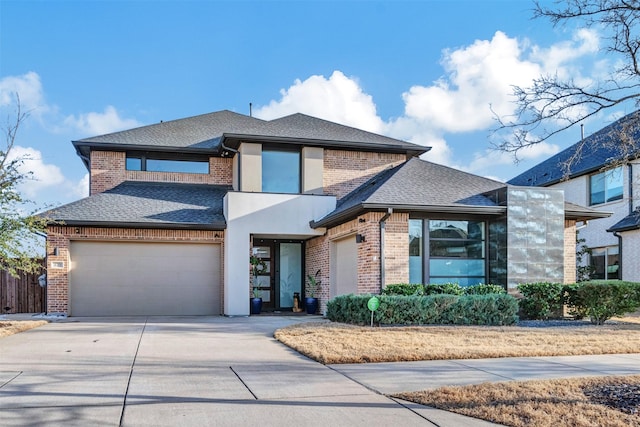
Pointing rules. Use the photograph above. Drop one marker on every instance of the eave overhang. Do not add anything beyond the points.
(354, 211)
(233, 140)
(214, 226)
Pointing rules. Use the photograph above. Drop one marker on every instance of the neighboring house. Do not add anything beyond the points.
(176, 209)
(605, 176)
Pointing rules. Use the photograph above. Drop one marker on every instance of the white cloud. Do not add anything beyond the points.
(478, 76)
(82, 187)
(485, 162)
(42, 176)
(339, 99)
(29, 88)
(100, 123)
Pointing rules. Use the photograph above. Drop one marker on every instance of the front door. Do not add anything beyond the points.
(284, 274)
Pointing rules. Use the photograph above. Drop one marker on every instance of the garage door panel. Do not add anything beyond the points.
(125, 278)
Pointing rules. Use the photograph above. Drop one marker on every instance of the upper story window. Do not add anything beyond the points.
(280, 171)
(606, 186)
(149, 163)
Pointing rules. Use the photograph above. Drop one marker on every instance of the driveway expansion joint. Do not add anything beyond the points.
(17, 374)
(243, 383)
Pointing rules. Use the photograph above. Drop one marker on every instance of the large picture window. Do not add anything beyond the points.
(443, 251)
(606, 186)
(280, 171)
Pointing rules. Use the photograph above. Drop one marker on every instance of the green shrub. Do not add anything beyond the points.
(482, 289)
(443, 288)
(541, 300)
(404, 289)
(489, 309)
(601, 299)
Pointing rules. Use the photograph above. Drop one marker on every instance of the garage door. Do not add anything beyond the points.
(346, 266)
(131, 279)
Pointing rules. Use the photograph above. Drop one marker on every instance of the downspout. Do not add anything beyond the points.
(382, 228)
(630, 188)
(619, 236)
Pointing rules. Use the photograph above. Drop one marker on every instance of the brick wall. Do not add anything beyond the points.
(346, 170)
(108, 169)
(61, 236)
(318, 252)
(569, 251)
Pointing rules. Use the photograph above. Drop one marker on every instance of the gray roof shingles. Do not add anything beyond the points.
(149, 204)
(628, 223)
(596, 151)
(204, 132)
(420, 185)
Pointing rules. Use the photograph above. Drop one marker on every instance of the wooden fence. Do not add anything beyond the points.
(22, 294)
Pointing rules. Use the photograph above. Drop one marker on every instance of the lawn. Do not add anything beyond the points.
(579, 402)
(576, 402)
(10, 327)
(333, 343)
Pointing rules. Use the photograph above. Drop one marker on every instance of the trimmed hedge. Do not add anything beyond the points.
(541, 300)
(438, 289)
(490, 309)
(599, 300)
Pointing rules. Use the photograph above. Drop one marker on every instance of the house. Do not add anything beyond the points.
(602, 172)
(176, 209)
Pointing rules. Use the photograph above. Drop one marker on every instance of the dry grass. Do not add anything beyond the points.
(10, 327)
(531, 403)
(333, 343)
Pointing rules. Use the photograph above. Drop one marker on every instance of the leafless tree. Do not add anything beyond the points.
(552, 105)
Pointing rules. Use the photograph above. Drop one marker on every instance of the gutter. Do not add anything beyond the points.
(215, 226)
(382, 223)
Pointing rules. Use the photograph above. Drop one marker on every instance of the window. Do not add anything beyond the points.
(280, 171)
(455, 251)
(606, 186)
(605, 263)
(154, 164)
(415, 251)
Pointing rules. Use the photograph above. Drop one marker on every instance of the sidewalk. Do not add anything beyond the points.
(396, 377)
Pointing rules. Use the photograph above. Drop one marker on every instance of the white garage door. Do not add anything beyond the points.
(346, 266)
(135, 279)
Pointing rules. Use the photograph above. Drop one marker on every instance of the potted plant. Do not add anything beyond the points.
(257, 266)
(311, 302)
(256, 301)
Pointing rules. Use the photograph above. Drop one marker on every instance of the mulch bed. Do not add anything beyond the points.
(622, 397)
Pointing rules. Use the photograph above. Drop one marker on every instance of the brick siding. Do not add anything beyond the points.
(368, 258)
(345, 170)
(108, 169)
(569, 251)
(61, 236)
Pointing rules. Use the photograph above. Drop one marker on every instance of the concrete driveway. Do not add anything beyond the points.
(184, 371)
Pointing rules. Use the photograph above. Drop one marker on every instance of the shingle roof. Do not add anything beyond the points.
(418, 185)
(205, 132)
(148, 204)
(630, 222)
(595, 153)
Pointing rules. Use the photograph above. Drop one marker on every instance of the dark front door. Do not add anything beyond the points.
(284, 275)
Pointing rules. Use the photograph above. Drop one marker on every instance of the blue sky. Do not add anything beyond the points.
(422, 71)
